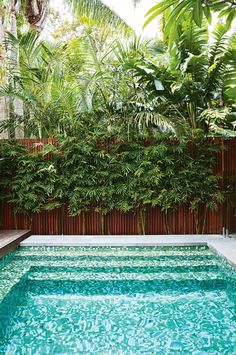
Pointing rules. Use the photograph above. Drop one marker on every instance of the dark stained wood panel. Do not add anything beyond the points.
(10, 239)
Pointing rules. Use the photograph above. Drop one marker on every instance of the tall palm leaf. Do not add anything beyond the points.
(195, 10)
(99, 11)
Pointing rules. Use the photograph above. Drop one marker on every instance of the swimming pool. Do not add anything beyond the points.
(114, 300)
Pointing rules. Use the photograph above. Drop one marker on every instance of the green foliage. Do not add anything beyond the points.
(199, 79)
(195, 10)
(203, 186)
(120, 81)
(8, 153)
(85, 173)
(131, 85)
(99, 11)
(140, 111)
(32, 188)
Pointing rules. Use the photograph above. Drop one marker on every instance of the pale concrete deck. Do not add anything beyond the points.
(225, 247)
(10, 239)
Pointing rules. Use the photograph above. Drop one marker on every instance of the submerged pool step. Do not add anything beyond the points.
(31, 288)
(213, 296)
(124, 276)
(120, 258)
(117, 263)
(117, 252)
(83, 266)
(125, 269)
(10, 279)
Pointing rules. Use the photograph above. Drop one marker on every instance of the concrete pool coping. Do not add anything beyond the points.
(225, 247)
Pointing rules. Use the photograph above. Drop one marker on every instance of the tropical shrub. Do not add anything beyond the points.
(80, 174)
(8, 153)
(32, 185)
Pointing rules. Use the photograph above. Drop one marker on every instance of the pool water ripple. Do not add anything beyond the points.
(101, 300)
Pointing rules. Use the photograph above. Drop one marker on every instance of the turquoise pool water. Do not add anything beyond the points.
(117, 301)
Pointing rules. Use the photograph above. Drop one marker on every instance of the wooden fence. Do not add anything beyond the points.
(116, 223)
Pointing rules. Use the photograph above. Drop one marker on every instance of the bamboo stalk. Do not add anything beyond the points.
(15, 220)
(102, 220)
(108, 226)
(142, 220)
(204, 219)
(62, 224)
(166, 222)
(83, 223)
(31, 221)
(196, 219)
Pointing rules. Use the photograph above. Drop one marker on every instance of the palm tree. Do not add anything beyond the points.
(61, 85)
(35, 14)
(197, 89)
(98, 10)
(11, 11)
(195, 10)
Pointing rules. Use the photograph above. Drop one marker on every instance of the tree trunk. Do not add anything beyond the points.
(14, 67)
(10, 108)
(3, 117)
(35, 13)
(3, 79)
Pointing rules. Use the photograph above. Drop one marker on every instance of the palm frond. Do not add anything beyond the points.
(219, 45)
(191, 40)
(98, 10)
